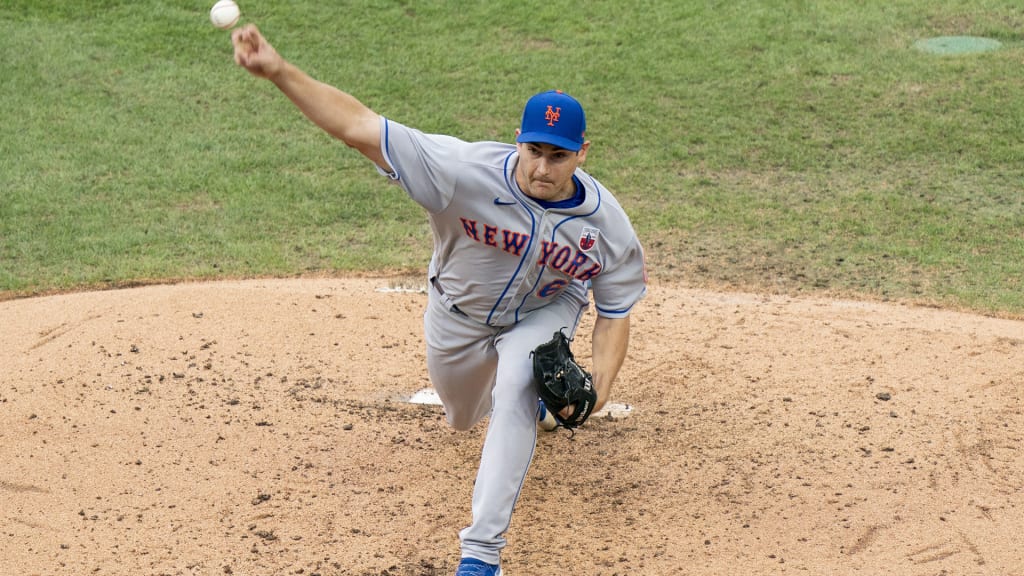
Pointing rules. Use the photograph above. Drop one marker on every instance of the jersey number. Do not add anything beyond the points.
(552, 288)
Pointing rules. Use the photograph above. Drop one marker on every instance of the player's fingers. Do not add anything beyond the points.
(239, 44)
(247, 33)
(246, 42)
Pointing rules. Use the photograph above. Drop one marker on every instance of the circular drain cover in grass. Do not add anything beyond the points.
(957, 45)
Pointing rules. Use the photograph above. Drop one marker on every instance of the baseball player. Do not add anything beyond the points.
(522, 236)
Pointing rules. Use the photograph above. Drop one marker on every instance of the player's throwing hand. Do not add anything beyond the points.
(254, 53)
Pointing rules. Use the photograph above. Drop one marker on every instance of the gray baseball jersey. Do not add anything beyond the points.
(498, 254)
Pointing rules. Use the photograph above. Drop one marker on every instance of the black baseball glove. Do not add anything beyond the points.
(562, 382)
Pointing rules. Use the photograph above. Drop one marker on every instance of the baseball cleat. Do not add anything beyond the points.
(474, 567)
(545, 419)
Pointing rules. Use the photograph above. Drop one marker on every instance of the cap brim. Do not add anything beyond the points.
(545, 138)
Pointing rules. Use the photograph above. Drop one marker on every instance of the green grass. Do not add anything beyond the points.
(786, 146)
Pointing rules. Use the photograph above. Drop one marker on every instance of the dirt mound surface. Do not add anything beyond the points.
(260, 427)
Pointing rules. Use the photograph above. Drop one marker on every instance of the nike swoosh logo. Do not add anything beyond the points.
(500, 202)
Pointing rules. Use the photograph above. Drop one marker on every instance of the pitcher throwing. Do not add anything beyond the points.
(522, 237)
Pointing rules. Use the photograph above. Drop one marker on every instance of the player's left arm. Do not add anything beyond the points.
(610, 340)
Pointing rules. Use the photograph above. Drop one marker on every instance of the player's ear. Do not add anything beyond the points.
(581, 154)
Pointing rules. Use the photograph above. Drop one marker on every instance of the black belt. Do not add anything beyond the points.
(437, 286)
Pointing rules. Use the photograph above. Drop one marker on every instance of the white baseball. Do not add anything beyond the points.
(225, 14)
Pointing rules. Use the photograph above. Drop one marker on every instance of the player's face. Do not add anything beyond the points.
(545, 172)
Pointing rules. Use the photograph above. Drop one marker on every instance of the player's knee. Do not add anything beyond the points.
(461, 422)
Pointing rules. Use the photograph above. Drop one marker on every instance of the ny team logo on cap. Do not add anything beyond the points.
(552, 115)
(554, 118)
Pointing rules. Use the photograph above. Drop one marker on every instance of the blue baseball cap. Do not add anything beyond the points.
(554, 118)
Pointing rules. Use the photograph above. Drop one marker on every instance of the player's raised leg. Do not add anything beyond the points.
(461, 362)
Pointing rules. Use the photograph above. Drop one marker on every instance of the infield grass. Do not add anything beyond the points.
(783, 146)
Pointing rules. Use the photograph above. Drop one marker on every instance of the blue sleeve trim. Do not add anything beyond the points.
(384, 150)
